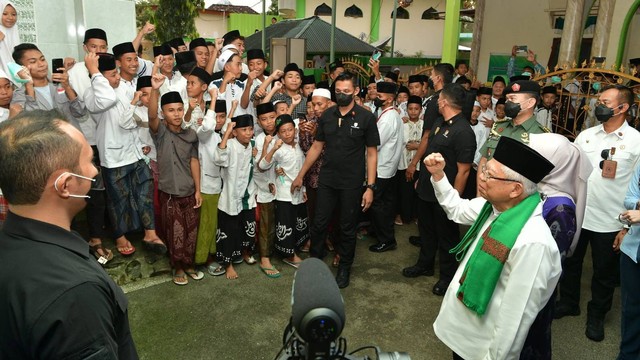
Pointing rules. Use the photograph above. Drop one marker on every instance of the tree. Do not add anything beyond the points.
(145, 10)
(273, 8)
(177, 18)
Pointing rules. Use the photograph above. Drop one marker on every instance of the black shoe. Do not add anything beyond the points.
(415, 240)
(415, 271)
(342, 279)
(382, 247)
(561, 310)
(595, 329)
(440, 288)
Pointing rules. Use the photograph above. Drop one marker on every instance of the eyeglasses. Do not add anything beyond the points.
(488, 177)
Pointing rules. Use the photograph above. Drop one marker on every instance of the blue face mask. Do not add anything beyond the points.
(526, 73)
(596, 86)
(555, 79)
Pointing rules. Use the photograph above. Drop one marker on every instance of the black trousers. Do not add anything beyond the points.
(350, 209)
(407, 203)
(606, 273)
(438, 235)
(381, 211)
(96, 209)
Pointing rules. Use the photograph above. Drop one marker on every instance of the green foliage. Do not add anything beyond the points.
(145, 12)
(176, 18)
(273, 8)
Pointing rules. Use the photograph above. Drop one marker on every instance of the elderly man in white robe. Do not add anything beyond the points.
(510, 263)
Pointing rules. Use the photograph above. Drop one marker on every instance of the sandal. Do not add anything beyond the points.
(155, 245)
(101, 254)
(294, 264)
(194, 274)
(122, 249)
(250, 260)
(180, 279)
(271, 272)
(215, 269)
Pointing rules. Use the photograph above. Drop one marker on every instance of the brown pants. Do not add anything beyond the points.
(267, 234)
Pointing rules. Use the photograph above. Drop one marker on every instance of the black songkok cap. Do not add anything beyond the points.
(292, 67)
(221, 106)
(164, 49)
(391, 75)
(485, 91)
(523, 86)
(308, 79)
(197, 42)
(243, 121)
(106, 62)
(518, 78)
(413, 99)
(387, 87)
(522, 159)
(95, 33)
(143, 82)
(255, 54)
(231, 36)
(124, 48)
(265, 108)
(403, 89)
(283, 119)
(185, 57)
(415, 79)
(499, 79)
(501, 101)
(549, 90)
(174, 43)
(201, 74)
(634, 61)
(171, 97)
(334, 65)
(372, 79)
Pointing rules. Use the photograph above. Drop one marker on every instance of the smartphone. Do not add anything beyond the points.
(56, 64)
(302, 116)
(522, 48)
(376, 55)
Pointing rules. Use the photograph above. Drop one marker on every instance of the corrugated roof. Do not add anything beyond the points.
(316, 31)
(235, 9)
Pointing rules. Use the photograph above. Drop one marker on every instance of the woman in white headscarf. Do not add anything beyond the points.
(564, 189)
(9, 36)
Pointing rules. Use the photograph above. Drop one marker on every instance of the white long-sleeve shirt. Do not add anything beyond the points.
(117, 132)
(528, 278)
(141, 116)
(265, 176)
(290, 159)
(412, 132)
(391, 142)
(236, 162)
(210, 178)
(80, 82)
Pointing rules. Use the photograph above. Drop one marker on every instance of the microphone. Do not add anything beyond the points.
(317, 307)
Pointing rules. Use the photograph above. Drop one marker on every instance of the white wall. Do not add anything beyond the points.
(632, 49)
(211, 25)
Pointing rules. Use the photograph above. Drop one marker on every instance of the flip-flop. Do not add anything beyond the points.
(102, 259)
(177, 279)
(127, 252)
(294, 264)
(195, 275)
(158, 248)
(273, 268)
(250, 260)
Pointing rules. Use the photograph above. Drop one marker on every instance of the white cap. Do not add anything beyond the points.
(476, 103)
(325, 93)
(396, 69)
(224, 58)
(230, 47)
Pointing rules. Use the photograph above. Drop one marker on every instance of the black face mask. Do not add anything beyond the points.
(511, 109)
(378, 102)
(343, 99)
(604, 113)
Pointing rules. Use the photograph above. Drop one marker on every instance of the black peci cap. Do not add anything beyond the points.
(143, 82)
(522, 159)
(95, 33)
(171, 97)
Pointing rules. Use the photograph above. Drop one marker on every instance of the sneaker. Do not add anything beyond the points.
(595, 329)
(215, 269)
(561, 310)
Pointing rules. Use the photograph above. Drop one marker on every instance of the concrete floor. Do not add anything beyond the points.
(244, 319)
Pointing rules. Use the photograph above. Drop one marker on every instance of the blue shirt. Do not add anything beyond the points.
(631, 242)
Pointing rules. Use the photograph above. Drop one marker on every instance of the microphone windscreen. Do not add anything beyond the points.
(314, 287)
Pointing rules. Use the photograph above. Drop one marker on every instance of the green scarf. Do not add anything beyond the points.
(483, 269)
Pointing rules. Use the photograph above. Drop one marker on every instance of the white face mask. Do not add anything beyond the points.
(55, 184)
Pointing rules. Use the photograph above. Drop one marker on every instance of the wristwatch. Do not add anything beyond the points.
(373, 186)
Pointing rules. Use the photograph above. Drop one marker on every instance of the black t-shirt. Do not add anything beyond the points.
(55, 300)
(455, 140)
(346, 141)
(431, 112)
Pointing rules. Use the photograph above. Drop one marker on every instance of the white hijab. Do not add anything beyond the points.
(568, 177)
(11, 39)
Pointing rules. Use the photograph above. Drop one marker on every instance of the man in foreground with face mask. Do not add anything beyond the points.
(347, 130)
(612, 148)
(522, 97)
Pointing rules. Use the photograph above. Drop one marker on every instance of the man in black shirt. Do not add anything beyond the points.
(453, 137)
(55, 300)
(347, 130)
